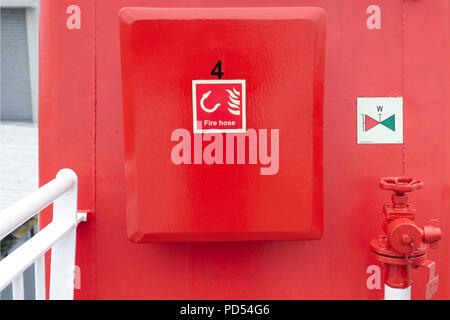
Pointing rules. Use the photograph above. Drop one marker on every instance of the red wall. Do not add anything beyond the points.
(81, 128)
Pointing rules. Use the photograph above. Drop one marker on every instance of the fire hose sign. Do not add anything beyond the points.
(380, 120)
(218, 106)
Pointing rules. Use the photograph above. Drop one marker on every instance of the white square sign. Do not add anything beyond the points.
(380, 120)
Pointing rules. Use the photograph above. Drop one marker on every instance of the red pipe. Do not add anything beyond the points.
(398, 276)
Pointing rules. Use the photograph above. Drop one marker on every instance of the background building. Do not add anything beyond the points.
(19, 55)
(19, 60)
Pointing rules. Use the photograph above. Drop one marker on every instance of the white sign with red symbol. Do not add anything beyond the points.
(219, 106)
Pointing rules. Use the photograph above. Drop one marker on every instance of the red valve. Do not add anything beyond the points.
(404, 243)
(400, 185)
(432, 233)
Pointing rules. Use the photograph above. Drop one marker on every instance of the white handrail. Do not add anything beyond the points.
(26, 208)
(59, 235)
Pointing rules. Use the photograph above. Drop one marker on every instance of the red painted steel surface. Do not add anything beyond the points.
(81, 128)
(162, 53)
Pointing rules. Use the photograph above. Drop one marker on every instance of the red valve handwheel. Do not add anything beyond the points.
(400, 185)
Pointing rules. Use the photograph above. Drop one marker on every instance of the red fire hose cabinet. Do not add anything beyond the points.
(223, 112)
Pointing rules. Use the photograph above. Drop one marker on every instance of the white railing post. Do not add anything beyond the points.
(39, 278)
(17, 288)
(59, 235)
(63, 252)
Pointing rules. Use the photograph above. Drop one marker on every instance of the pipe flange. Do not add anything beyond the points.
(383, 252)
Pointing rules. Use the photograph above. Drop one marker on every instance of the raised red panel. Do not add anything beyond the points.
(183, 186)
